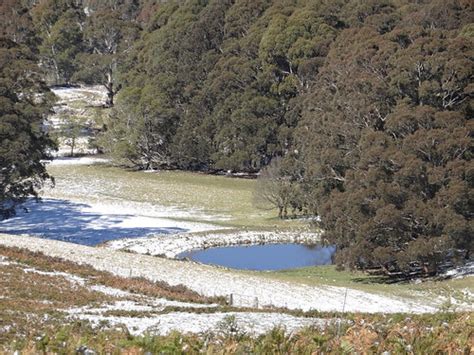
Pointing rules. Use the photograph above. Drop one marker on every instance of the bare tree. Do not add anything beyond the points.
(273, 189)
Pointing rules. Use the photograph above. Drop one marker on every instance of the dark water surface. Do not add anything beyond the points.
(263, 257)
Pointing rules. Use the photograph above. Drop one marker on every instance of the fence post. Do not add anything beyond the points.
(255, 302)
(231, 300)
(342, 315)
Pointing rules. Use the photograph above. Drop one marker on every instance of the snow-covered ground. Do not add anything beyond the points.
(94, 95)
(75, 104)
(86, 160)
(96, 222)
(156, 320)
(460, 272)
(154, 316)
(253, 323)
(172, 247)
(87, 212)
(246, 290)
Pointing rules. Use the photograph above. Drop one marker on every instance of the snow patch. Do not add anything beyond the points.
(4, 261)
(69, 277)
(94, 223)
(128, 306)
(156, 303)
(111, 291)
(251, 323)
(77, 161)
(460, 272)
(95, 95)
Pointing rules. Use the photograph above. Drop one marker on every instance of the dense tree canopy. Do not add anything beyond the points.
(217, 83)
(386, 141)
(59, 24)
(368, 102)
(24, 102)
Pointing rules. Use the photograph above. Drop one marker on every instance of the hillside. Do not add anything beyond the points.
(236, 176)
(356, 114)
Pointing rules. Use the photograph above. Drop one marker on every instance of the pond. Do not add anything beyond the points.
(263, 257)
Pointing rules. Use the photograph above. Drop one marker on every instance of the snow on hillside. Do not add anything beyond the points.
(75, 104)
(246, 289)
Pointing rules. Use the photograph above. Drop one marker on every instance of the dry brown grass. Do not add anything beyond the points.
(32, 303)
(134, 285)
(31, 320)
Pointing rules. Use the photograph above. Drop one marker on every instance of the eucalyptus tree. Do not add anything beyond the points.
(59, 24)
(386, 141)
(24, 103)
(107, 39)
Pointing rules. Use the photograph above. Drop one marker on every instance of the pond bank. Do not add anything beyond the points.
(171, 247)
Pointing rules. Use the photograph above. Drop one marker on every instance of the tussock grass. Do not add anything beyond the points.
(31, 303)
(31, 321)
(33, 295)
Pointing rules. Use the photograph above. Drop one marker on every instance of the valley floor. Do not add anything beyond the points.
(211, 281)
(141, 221)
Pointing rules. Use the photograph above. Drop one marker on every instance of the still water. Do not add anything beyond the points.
(263, 257)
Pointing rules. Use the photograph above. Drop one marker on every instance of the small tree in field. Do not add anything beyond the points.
(70, 132)
(274, 189)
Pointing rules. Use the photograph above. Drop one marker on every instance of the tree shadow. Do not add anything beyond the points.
(71, 222)
(379, 280)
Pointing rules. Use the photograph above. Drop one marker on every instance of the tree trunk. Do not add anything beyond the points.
(55, 65)
(73, 143)
(109, 102)
(110, 90)
(110, 98)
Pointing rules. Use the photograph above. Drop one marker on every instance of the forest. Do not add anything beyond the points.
(355, 113)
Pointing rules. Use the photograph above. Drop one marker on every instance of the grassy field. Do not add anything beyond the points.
(228, 200)
(328, 275)
(223, 197)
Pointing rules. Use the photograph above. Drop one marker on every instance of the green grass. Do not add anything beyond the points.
(328, 275)
(214, 195)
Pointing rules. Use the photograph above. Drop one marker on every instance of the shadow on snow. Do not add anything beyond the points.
(71, 222)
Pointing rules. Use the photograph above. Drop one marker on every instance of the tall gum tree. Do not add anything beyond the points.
(24, 103)
(108, 37)
(59, 24)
